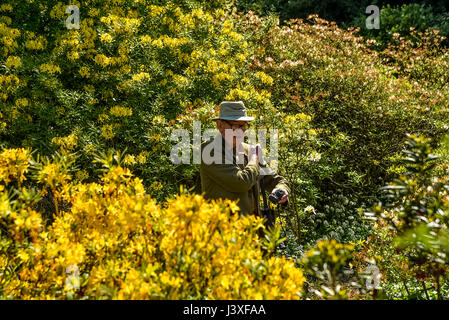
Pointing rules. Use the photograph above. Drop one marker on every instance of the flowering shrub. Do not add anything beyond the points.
(99, 101)
(121, 79)
(13, 165)
(123, 245)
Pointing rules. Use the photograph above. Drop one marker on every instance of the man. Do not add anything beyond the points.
(232, 178)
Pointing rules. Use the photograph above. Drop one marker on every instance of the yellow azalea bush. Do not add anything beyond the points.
(13, 165)
(128, 62)
(111, 240)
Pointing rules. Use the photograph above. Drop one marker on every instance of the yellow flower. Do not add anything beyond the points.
(23, 255)
(81, 175)
(107, 132)
(155, 10)
(227, 27)
(264, 78)
(50, 68)
(155, 137)
(5, 7)
(36, 44)
(103, 117)
(142, 158)
(89, 88)
(58, 10)
(22, 102)
(141, 76)
(14, 164)
(102, 60)
(94, 12)
(121, 111)
(13, 62)
(73, 55)
(66, 143)
(53, 175)
(88, 148)
(156, 186)
(106, 37)
(146, 39)
(129, 160)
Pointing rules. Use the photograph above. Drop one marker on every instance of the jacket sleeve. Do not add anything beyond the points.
(275, 181)
(231, 177)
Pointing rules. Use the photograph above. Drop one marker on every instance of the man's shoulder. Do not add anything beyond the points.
(214, 145)
(208, 142)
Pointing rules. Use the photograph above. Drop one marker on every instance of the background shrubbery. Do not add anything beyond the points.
(96, 102)
(352, 108)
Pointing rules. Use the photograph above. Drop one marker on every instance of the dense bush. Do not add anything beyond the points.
(351, 109)
(119, 81)
(339, 11)
(98, 102)
(133, 72)
(396, 16)
(401, 20)
(123, 245)
(410, 240)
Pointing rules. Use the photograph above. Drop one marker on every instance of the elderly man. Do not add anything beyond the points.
(231, 178)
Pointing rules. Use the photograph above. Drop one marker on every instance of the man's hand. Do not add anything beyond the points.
(255, 153)
(284, 197)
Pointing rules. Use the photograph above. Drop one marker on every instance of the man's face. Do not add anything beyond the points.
(238, 129)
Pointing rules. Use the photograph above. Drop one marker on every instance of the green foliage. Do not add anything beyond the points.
(133, 71)
(114, 90)
(343, 116)
(415, 211)
(401, 20)
(324, 264)
(338, 11)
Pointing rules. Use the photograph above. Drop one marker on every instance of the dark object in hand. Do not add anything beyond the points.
(276, 196)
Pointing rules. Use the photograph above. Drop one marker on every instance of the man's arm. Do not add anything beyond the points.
(275, 181)
(231, 177)
(271, 179)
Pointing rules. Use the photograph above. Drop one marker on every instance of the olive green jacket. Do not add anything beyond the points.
(237, 181)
